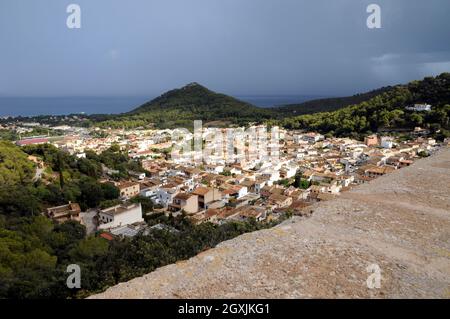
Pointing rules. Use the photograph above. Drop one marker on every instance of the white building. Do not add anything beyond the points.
(148, 192)
(419, 107)
(387, 142)
(164, 196)
(290, 170)
(271, 174)
(120, 215)
(214, 169)
(313, 137)
(139, 175)
(242, 191)
(259, 184)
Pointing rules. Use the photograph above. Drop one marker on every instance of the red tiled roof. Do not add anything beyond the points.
(32, 141)
(201, 191)
(106, 236)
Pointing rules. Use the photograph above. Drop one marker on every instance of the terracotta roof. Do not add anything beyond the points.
(211, 212)
(298, 204)
(127, 184)
(278, 198)
(106, 236)
(248, 183)
(201, 191)
(32, 141)
(184, 196)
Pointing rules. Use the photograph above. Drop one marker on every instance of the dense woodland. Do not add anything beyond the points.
(385, 111)
(327, 104)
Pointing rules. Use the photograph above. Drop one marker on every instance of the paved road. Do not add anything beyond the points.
(89, 221)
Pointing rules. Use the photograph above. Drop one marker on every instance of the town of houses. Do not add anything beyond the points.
(222, 192)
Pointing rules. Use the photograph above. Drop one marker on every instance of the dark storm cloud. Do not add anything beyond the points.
(144, 47)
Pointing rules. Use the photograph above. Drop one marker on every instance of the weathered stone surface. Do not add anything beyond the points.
(400, 222)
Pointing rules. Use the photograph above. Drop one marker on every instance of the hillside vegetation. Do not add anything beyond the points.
(180, 107)
(347, 116)
(356, 115)
(15, 167)
(385, 111)
(328, 104)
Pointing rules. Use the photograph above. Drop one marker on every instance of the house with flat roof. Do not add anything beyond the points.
(234, 191)
(371, 140)
(206, 195)
(419, 108)
(120, 215)
(63, 213)
(209, 215)
(279, 201)
(128, 189)
(186, 202)
(247, 212)
(165, 194)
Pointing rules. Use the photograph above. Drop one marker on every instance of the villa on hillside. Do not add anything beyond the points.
(64, 213)
(120, 215)
(419, 107)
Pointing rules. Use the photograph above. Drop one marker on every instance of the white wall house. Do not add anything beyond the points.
(272, 175)
(259, 185)
(242, 191)
(419, 107)
(346, 181)
(387, 142)
(313, 137)
(148, 192)
(236, 171)
(139, 175)
(120, 215)
(189, 184)
(164, 196)
(215, 169)
(290, 170)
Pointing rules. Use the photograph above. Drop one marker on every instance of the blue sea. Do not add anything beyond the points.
(32, 106)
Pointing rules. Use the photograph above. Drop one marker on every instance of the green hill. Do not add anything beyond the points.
(356, 115)
(386, 111)
(328, 104)
(15, 168)
(180, 107)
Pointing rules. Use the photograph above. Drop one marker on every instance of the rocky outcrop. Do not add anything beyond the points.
(400, 222)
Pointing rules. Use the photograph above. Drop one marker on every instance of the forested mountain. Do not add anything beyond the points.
(386, 111)
(356, 115)
(180, 107)
(328, 104)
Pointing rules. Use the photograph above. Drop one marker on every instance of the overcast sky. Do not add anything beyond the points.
(145, 47)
